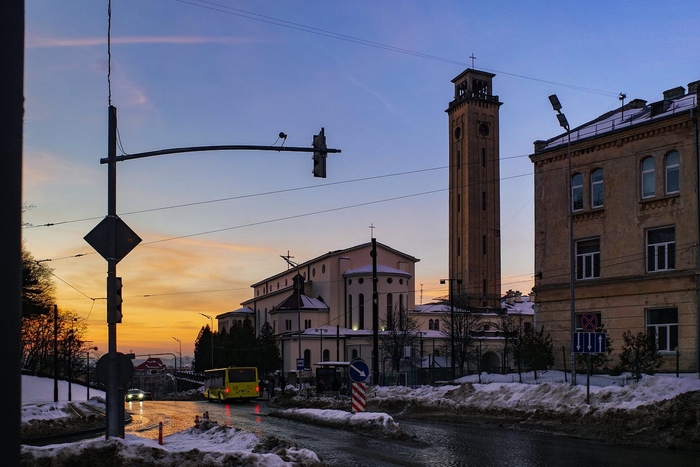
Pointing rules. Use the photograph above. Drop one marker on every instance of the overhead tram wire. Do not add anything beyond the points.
(377, 45)
(273, 192)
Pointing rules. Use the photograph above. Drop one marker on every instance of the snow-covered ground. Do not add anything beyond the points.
(217, 445)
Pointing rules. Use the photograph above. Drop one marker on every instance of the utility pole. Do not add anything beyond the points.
(375, 315)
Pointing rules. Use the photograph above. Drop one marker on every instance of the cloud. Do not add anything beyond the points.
(35, 42)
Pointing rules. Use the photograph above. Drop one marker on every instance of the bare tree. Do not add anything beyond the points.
(463, 328)
(400, 330)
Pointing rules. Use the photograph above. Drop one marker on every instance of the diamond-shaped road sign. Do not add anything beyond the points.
(126, 239)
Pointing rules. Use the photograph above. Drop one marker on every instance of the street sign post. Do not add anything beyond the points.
(300, 364)
(589, 322)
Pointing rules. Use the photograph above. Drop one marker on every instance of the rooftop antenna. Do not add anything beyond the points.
(622, 98)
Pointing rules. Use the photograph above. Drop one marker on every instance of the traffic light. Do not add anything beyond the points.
(118, 298)
(320, 155)
(114, 302)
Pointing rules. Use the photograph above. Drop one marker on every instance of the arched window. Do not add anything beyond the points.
(648, 178)
(354, 354)
(361, 310)
(389, 313)
(430, 325)
(673, 161)
(577, 192)
(350, 311)
(326, 355)
(436, 325)
(307, 358)
(597, 188)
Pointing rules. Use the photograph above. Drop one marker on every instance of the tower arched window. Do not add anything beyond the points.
(389, 313)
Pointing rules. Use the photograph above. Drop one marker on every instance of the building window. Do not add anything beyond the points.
(483, 157)
(459, 159)
(597, 188)
(326, 355)
(483, 244)
(361, 310)
(389, 314)
(459, 246)
(459, 202)
(673, 172)
(436, 325)
(350, 311)
(648, 178)
(354, 353)
(287, 324)
(430, 325)
(588, 259)
(577, 192)
(662, 326)
(307, 358)
(661, 249)
(307, 323)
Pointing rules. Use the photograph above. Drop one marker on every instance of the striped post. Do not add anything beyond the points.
(359, 397)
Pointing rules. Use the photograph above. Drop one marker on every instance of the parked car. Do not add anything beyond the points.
(138, 395)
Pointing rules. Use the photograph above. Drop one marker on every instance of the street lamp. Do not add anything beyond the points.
(212, 337)
(180, 342)
(452, 323)
(556, 105)
(87, 369)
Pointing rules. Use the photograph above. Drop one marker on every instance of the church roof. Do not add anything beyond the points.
(301, 302)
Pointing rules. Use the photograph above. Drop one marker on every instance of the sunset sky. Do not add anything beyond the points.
(375, 74)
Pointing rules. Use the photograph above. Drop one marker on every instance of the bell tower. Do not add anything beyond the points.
(474, 204)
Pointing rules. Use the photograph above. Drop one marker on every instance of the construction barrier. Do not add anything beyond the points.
(196, 421)
(359, 397)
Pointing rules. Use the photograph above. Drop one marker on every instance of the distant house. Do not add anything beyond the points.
(152, 375)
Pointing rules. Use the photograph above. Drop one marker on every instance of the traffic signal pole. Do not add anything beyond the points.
(120, 240)
(113, 427)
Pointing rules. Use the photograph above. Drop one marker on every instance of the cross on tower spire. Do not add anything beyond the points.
(473, 58)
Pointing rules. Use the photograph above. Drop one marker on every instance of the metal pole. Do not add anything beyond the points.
(55, 353)
(572, 261)
(375, 315)
(113, 427)
(452, 331)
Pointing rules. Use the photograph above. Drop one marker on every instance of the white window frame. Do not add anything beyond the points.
(661, 255)
(648, 178)
(588, 263)
(577, 188)
(673, 167)
(597, 189)
(666, 332)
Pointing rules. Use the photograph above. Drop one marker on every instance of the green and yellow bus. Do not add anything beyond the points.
(232, 383)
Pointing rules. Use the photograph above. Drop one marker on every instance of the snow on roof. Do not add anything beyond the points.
(624, 118)
(367, 269)
(244, 310)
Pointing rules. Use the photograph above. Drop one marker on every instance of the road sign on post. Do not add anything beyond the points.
(300, 364)
(358, 370)
(589, 322)
(589, 342)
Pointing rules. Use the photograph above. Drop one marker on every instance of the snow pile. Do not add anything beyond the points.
(376, 423)
(550, 396)
(211, 445)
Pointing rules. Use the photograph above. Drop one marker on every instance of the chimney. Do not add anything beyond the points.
(509, 297)
(675, 92)
(518, 297)
(637, 104)
(693, 87)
